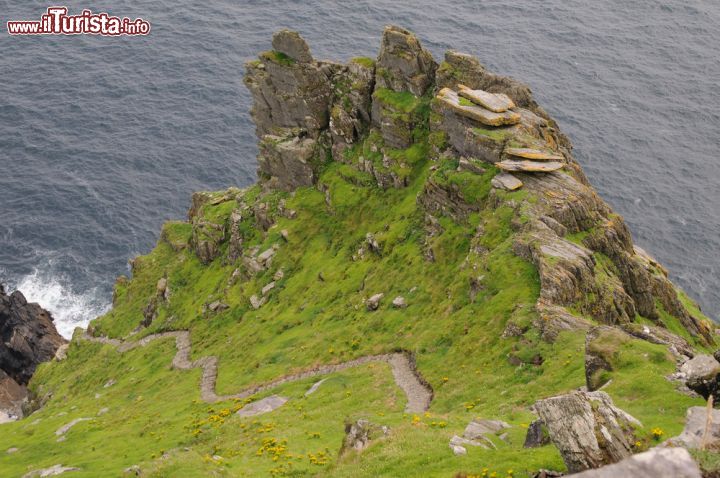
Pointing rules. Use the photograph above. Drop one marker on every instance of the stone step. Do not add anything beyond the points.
(506, 181)
(450, 99)
(529, 166)
(534, 154)
(495, 102)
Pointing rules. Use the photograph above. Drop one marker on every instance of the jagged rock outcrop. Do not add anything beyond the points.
(403, 64)
(307, 111)
(587, 428)
(291, 101)
(27, 338)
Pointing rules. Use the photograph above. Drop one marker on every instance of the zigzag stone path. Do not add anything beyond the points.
(418, 392)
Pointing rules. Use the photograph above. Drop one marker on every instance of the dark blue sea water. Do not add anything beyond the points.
(103, 139)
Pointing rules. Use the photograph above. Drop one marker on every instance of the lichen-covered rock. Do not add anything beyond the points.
(654, 463)
(360, 434)
(403, 64)
(553, 320)
(587, 428)
(537, 435)
(350, 112)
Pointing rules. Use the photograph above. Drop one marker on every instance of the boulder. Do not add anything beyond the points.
(495, 102)
(359, 435)
(587, 428)
(654, 463)
(374, 301)
(701, 374)
(537, 435)
(506, 181)
(702, 430)
(478, 428)
(528, 166)
(28, 337)
(293, 45)
(260, 407)
(399, 302)
(477, 113)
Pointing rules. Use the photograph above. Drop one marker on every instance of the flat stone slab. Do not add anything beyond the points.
(266, 405)
(506, 181)
(314, 387)
(656, 462)
(482, 115)
(535, 154)
(529, 166)
(495, 102)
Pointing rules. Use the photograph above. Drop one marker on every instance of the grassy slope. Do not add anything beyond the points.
(316, 315)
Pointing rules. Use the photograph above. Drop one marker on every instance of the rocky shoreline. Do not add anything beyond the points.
(28, 337)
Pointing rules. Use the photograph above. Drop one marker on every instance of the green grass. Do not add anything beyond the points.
(277, 57)
(364, 61)
(316, 315)
(404, 101)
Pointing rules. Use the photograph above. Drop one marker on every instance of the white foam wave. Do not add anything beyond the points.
(55, 294)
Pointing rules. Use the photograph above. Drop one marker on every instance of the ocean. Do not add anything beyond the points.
(102, 139)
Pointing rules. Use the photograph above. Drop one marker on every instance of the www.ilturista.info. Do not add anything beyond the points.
(57, 22)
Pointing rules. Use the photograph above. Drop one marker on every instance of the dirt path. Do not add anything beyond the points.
(418, 392)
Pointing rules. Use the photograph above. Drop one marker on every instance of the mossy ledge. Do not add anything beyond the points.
(388, 218)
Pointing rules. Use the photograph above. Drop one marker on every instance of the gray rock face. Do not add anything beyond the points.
(654, 463)
(291, 106)
(587, 428)
(27, 336)
(350, 112)
(403, 64)
(360, 434)
(288, 161)
(701, 374)
(293, 45)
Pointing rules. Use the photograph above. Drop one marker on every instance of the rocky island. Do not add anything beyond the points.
(422, 283)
